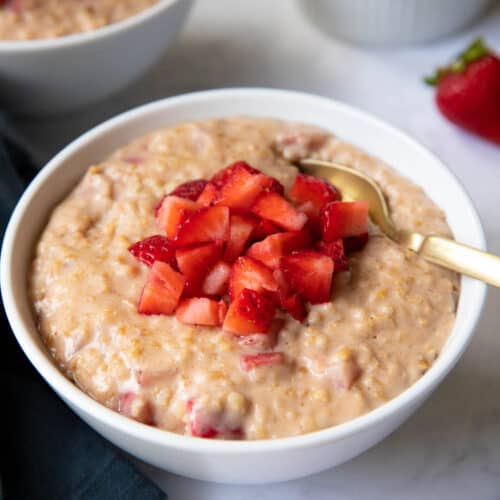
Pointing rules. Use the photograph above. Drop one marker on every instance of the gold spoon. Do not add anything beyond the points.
(442, 251)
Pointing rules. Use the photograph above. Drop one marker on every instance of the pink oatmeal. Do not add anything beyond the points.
(390, 317)
(36, 19)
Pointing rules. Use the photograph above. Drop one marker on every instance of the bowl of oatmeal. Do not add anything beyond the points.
(204, 383)
(60, 55)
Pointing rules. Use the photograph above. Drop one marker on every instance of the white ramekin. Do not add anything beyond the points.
(62, 74)
(392, 21)
(233, 461)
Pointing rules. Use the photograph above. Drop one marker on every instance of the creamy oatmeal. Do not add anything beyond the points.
(390, 315)
(36, 19)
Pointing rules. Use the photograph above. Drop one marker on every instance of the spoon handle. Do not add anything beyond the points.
(462, 258)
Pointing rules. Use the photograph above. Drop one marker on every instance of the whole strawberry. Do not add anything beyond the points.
(468, 91)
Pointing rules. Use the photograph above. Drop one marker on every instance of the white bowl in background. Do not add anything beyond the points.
(383, 22)
(50, 76)
(235, 461)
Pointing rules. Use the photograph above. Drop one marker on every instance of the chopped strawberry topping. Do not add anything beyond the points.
(194, 262)
(205, 225)
(273, 207)
(237, 235)
(190, 190)
(260, 341)
(208, 195)
(250, 312)
(344, 371)
(222, 176)
(309, 274)
(153, 248)
(340, 219)
(294, 305)
(207, 422)
(173, 210)
(270, 250)
(251, 361)
(264, 228)
(162, 290)
(201, 311)
(135, 406)
(251, 274)
(217, 279)
(335, 250)
(242, 189)
(314, 192)
(241, 229)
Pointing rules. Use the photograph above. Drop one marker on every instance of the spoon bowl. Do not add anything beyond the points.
(445, 252)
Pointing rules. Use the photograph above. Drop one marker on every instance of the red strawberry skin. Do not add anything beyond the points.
(205, 225)
(250, 361)
(252, 274)
(471, 99)
(221, 177)
(190, 190)
(153, 248)
(250, 312)
(162, 290)
(316, 192)
(335, 250)
(340, 219)
(309, 274)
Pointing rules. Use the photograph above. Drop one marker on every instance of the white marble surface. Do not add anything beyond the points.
(451, 447)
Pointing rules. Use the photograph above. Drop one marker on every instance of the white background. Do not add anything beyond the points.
(451, 447)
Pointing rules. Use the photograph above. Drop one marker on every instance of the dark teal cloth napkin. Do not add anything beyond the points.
(46, 451)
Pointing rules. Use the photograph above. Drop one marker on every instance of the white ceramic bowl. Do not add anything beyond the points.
(62, 74)
(393, 21)
(233, 461)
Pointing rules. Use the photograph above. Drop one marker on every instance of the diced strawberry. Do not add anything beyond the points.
(283, 286)
(273, 207)
(242, 189)
(241, 229)
(201, 311)
(217, 279)
(312, 193)
(172, 211)
(340, 219)
(153, 248)
(190, 190)
(309, 274)
(270, 250)
(251, 274)
(250, 312)
(251, 361)
(335, 250)
(222, 176)
(260, 341)
(133, 159)
(344, 372)
(194, 262)
(276, 187)
(355, 243)
(295, 306)
(205, 225)
(264, 228)
(162, 290)
(135, 406)
(193, 288)
(207, 422)
(201, 423)
(208, 195)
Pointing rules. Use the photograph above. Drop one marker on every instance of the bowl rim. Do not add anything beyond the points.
(61, 42)
(109, 418)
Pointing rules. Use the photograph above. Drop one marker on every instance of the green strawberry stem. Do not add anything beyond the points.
(475, 51)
